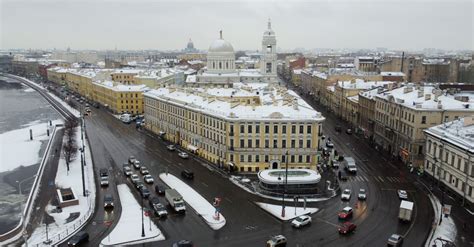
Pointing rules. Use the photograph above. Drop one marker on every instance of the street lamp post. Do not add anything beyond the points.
(284, 187)
(143, 225)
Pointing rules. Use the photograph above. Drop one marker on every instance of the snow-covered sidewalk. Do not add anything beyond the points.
(73, 111)
(195, 200)
(275, 210)
(64, 225)
(128, 229)
(447, 229)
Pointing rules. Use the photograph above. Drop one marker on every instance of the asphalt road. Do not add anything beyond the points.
(247, 225)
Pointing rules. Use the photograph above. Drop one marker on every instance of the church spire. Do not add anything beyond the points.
(269, 24)
(220, 32)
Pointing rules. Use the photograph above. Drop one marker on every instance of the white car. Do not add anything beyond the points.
(183, 155)
(402, 194)
(346, 194)
(301, 221)
(362, 194)
(104, 181)
(148, 179)
(134, 177)
(144, 170)
(136, 164)
(171, 147)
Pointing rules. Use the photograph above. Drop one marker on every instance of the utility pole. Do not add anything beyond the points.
(284, 187)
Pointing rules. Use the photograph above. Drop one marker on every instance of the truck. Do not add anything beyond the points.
(406, 210)
(175, 200)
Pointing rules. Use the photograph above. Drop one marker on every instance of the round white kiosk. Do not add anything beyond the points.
(300, 181)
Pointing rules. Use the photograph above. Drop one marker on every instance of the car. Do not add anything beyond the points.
(104, 181)
(144, 170)
(329, 144)
(88, 109)
(347, 227)
(171, 147)
(187, 174)
(148, 179)
(108, 201)
(402, 194)
(349, 131)
(183, 155)
(362, 194)
(131, 160)
(342, 175)
(137, 164)
(160, 190)
(338, 128)
(346, 194)
(158, 208)
(127, 171)
(183, 243)
(104, 172)
(395, 240)
(78, 238)
(277, 241)
(345, 213)
(301, 221)
(134, 177)
(139, 184)
(144, 191)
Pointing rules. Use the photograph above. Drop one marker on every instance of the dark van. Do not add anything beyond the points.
(78, 239)
(187, 174)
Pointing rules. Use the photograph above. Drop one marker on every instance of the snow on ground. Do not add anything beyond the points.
(195, 200)
(275, 210)
(75, 112)
(29, 90)
(128, 229)
(16, 149)
(447, 229)
(73, 180)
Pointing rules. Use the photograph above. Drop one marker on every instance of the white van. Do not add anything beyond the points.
(350, 165)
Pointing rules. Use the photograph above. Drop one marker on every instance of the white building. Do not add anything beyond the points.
(449, 157)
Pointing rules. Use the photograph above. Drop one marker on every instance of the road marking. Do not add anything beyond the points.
(325, 221)
(167, 160)
(205, 184)
(389, 179)
(227, 199)
(381, 179)
(179, 164)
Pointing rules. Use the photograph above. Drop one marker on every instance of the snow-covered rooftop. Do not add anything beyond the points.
(272, 102)
(388, 73)
(429, 98)
(361, 84)
(122, 88)
(459, 132)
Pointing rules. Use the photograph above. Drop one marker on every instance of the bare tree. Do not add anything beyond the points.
(70, 145)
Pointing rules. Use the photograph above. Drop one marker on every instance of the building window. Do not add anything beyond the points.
(257, 158)
(275, 129)
(242, 159)
(231, 158)
(231, 129)
(283, 129)
(266, 158)
(242, 128)
(308, 143)
(275, 143)
(293, 143)
(267, 144)
(283, 143)
(249, 142)
(242, 143)
(292, 159)
(249, 157)
(423, 119)
(308, 129)
(257, 129)
(293, 129)
(249, 129)
(300, 158)
(257, 143)
(308, 158)
(301, 129)
(283, 158)
(300, 143)
(267, 129)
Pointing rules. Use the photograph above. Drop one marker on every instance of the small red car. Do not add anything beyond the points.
(346, 213)
(347, 228)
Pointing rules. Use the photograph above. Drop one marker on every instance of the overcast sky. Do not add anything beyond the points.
(140, 24)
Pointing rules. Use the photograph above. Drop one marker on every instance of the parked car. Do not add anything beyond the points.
(402, 194)
(78, 238)
(136, 164)
(139, 184)
(329, 144)
(127, 171)
(108, 201)
(183, 155)
(346, 194)
(144, 170)
(171, 147)
(342, 175)
(134, 177)
(104, 172)
(183, 243)
(347, 227)
(187, 174)
(277, 241)
(148, 179)
(301, 221)
(160, 190)
(395, 240)
(349, 131)
(131, 160)
(144, 191)
(104, 181)
(345, 213)
(362, 194)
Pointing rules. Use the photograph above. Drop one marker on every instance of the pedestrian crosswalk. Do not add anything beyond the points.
(379, 179)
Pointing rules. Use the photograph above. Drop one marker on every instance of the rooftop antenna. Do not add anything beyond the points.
(269, 23)
(220, 33)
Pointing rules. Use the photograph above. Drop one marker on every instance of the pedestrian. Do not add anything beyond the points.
(56, 151)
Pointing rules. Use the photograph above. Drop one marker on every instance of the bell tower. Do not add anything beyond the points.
(268, 64)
